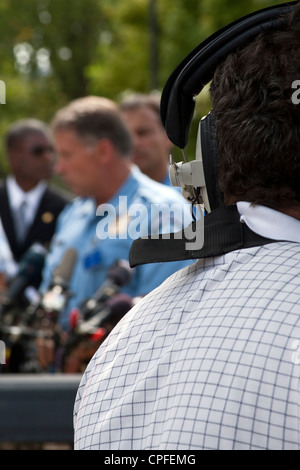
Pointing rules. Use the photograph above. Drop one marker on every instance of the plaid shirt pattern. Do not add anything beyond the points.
(208, 360)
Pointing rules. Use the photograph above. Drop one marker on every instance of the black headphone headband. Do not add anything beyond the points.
(197, 69)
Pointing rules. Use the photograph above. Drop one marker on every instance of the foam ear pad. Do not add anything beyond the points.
(197, 69)
(209, 150)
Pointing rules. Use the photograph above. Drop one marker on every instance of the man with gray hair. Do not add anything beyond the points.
(114, 205)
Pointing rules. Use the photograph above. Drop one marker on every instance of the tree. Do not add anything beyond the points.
(52, 51)
(46, 47)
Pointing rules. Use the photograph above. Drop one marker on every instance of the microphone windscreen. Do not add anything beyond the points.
(65, 269)
(34, 256)
(119, 305)
(31, 265)
(121, 273)
(29, 274)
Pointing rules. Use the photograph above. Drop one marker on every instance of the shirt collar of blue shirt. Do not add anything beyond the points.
(87, 207)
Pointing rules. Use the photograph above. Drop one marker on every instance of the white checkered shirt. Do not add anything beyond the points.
(208, 360)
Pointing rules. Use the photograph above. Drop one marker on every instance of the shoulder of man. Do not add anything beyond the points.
(59, 194)
(78, 208)
(157, 192)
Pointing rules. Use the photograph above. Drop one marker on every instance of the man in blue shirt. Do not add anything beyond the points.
(116, 203)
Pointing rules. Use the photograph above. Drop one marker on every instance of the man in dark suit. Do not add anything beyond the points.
(28, 207)
(28, 215)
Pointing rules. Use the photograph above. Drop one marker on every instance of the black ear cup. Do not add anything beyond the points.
(209, 150)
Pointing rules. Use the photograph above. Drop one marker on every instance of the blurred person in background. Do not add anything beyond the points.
(28, 206)
(28, 213)
(94, 158)
(151, 145)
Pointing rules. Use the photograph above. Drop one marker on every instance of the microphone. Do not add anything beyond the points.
(118, 275)
(29, 273)
(49, 303)
(58, 294)
(114, 309)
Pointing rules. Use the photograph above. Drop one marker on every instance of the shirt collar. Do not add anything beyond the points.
(166, 180)
(127, 189)
(269, 222)
(87, 207)
(17, 195)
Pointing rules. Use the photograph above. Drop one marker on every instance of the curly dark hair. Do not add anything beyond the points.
(257, 123)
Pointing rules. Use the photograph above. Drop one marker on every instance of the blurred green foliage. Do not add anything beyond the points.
(52, 51)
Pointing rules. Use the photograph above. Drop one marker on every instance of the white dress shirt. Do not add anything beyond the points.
(8, 266)
(208, 360)
(33, 197)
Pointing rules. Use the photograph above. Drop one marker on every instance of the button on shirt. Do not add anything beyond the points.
(81, 226)
(208, 360)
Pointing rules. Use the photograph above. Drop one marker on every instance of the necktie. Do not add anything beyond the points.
(20, 223)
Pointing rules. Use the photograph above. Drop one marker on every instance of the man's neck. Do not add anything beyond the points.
(292, 212)
(106, 193)
(26, 185)
(158, 174)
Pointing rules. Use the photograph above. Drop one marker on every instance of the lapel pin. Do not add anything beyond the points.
(47, 217)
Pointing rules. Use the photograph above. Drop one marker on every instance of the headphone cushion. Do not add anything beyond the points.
(209, 150)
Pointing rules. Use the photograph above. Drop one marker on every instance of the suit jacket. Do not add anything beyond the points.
(43, 226)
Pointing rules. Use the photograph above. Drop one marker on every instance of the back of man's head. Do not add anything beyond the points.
(257, 122)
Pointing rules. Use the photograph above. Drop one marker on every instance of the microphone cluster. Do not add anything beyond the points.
(55, 299)
(93, 320)
(49, 304)
(107, 305)
(28, 274)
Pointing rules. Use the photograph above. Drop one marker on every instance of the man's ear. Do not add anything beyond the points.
(105, 150)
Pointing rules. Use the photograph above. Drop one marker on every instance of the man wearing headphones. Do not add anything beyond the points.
(210, 359)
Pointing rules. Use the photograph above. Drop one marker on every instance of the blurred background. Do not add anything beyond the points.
(52, 51)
